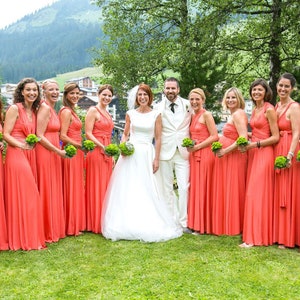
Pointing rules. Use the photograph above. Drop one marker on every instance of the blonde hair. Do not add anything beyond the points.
(239, 97)
(198, 91)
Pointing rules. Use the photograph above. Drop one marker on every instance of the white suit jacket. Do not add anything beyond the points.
(175, 127)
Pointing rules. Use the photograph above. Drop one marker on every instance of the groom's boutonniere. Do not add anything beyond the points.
(187, 108)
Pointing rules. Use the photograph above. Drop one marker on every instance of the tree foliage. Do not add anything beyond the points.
(147, 38)
(208, 43)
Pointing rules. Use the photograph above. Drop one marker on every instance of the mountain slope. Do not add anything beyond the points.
(53, 40)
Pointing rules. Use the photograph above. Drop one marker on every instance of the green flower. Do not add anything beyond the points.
(31, 139)
(70, 150)
(112, 150)
(88, 145)
(242, 141)
(126, 148)
(1, 136)
(280, 162)
(298, 156)
(215, 146)
(187, 142)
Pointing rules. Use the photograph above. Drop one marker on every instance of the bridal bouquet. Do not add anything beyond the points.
(298, 156)
(280, 162)
(31, 139)
(242, 141)
(216, 146)
(126, 148)
(112, 150)
(187, 142)
(88, 145)
(70, 150)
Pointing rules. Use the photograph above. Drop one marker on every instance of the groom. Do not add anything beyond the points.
(176, 117)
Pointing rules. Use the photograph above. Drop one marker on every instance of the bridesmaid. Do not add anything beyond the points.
(204, 132)
(73, 168)
(258, 214)
(49, 164)
(22, 199)
(3, 226)
(98, 128)
(287, 188)
(229, 182)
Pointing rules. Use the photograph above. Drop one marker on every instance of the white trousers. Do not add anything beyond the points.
(165, 178)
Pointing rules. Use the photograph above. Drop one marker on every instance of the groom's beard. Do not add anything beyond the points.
(171, 96)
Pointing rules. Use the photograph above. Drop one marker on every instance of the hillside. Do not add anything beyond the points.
(54, 40)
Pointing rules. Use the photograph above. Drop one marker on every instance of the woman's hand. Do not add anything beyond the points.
(155, 165)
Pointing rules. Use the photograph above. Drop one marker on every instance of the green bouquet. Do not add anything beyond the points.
(187, 142)
(31, 139)
(88, 145)
(126, 148)
(298, 156)
(70, 150)
(242, 141)
(281, 162)
(215, 146)
(112, 150)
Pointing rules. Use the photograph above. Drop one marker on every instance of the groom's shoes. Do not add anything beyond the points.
(187, 230)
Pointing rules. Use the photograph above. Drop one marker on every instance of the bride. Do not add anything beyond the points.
(133, 207)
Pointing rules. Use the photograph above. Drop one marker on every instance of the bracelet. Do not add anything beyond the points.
(291, 154)
(258, 144)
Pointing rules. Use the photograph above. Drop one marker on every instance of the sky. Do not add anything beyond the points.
(13, 10)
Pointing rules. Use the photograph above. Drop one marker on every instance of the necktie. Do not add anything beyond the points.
(172, 107)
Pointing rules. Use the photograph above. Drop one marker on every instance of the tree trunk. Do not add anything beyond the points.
(275, 62)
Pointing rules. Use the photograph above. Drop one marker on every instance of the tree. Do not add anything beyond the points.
(148, 38)
(261, 38)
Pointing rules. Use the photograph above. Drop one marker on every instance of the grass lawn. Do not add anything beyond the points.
(190, 267)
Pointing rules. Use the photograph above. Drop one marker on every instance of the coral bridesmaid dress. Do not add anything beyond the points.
(3, 227)
(258, 215)
(98, 172)
(23, 203)
(50, 183)
(229, 187)
(287, 190)
(201, 180)
(73, 182)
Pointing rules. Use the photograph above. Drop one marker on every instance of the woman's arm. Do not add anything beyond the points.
(240, 121)
(212, 129)
(65, 122)
(294, 115)
(125, 135)
(11, 117)
(92, 116)
(43, 118)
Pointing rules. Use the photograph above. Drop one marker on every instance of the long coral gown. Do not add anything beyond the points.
(229, 187)
(22, 199)
(287, 190)
(134, 209)
(50, 182)
(258, 214)
(3, 226)
(201, 179)
(73, 182)
(98, 172)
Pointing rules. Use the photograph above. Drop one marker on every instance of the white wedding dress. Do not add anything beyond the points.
(133, 207)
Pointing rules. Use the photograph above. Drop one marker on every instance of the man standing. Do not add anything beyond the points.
(176, 117)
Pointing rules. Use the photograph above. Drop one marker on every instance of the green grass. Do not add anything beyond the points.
(190, 267)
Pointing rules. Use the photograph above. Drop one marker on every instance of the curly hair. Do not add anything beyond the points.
(19, 98)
